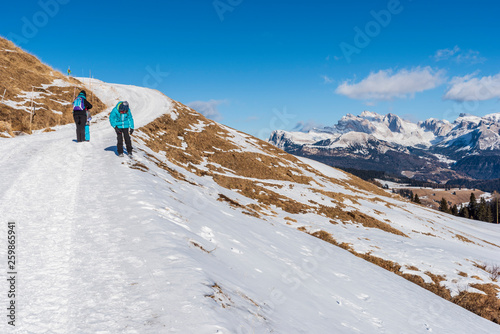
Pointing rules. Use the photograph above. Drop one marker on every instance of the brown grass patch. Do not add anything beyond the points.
(263, 195)
(432, 197)
(412, 268)
(486, 306)
(338, 198)
(325, 236)
(489, 243)
(194, 243)
(220, 297)
(248, 298)
(19, 71)
(6, 128)
(233, 203)
(461, 273)
(357, 183)
(212, 146)
(139, 166)
(425, 233)
(463, 239)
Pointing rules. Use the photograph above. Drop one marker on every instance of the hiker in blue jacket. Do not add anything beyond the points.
(122, 121)
(81, 114)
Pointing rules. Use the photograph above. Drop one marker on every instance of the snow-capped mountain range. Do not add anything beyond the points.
(432, 149)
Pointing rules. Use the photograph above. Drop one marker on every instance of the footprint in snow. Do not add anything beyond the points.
(237, 251)
(345, 277)
(207, 233)
(377, 322)
(364, 297)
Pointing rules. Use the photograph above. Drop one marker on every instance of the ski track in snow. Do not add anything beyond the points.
(104, 248)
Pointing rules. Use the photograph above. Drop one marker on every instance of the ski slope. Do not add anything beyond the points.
(105, 248)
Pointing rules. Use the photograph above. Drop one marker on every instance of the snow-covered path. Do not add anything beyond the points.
(79, 271)
(104, 248)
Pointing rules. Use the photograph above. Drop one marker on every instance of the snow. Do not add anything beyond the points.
(198, 127)
(104, 248)
(495, 117)
(324, 169)
(57, 83)
(391, 184)
(444, 159)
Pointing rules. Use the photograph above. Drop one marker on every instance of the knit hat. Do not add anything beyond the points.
(123, 108)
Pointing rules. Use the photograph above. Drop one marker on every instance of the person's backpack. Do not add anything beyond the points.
(79, 104)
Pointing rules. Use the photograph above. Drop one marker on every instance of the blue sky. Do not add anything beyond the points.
(262, 65)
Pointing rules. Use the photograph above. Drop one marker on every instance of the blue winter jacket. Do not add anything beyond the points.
(122, 121)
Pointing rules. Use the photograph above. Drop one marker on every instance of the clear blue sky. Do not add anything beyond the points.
(261, 65)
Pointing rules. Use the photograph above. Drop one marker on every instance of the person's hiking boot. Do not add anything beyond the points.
(120, 155)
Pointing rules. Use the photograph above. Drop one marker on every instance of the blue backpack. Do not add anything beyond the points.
(79, 104)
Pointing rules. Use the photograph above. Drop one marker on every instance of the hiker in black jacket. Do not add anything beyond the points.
(80, 110)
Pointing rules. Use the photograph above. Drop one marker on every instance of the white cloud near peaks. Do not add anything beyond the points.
(208, 108)
(472, 88)
(387, 84)
(307, 126)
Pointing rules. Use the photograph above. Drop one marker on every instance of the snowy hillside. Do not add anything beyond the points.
(430, 150)
(209, 230)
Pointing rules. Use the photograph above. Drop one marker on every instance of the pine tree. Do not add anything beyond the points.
(482, 211)
(417, 199)
(494, 207)
(443, 205)
(454, 210)
(472, 206)
(489, 216)
(464, 212)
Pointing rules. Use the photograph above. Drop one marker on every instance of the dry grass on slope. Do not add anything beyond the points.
(257, 171)
(432, 197)
(212, 147)
(485, 305)
(19, 71)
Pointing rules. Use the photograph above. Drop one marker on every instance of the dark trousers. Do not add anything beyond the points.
(80, 121)
(120, 135)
